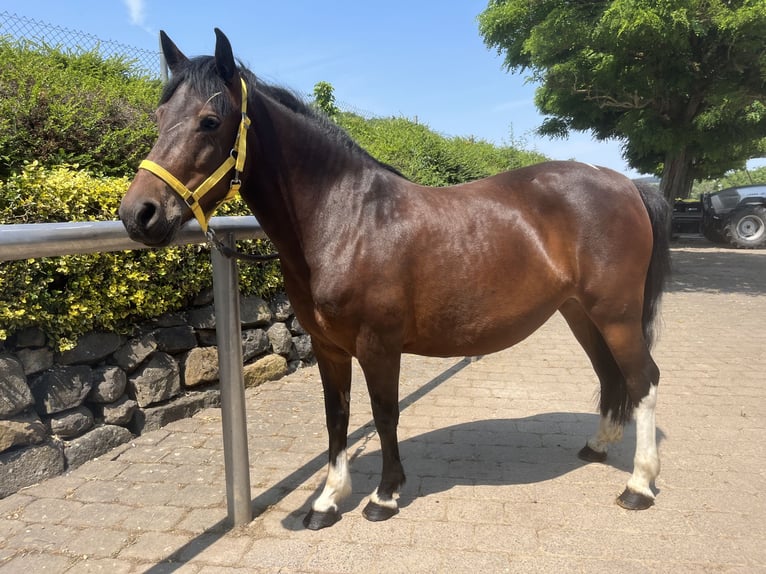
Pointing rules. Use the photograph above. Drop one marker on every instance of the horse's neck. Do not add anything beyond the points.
(302, 179)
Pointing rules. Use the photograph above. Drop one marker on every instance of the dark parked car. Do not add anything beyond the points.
(736, 215)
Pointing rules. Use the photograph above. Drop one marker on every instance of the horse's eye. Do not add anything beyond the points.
(209, 123)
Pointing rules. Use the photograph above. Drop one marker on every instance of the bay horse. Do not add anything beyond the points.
(376, 265)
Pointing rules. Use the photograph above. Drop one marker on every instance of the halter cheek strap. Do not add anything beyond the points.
(235, 160)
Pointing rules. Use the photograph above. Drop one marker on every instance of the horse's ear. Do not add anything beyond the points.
(224, 57)
(173, 56)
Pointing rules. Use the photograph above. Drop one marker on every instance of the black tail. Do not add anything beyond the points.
(659, 266)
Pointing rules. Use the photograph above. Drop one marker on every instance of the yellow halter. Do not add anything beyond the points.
(235, 160)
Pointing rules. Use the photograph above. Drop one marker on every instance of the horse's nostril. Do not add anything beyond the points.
(145, 222)
(146, 214)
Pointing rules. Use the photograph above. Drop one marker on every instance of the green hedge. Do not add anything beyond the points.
(429, 158)
(61, 108)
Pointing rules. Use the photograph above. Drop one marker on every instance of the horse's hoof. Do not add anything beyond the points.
(589, 455)
(630, 500)
(315, 520)
(377, 512)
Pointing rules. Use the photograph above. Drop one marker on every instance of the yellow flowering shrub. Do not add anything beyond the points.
(71, 295)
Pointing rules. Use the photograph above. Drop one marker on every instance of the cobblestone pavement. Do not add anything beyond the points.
(489, 446)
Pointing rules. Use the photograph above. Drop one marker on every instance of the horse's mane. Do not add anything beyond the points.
(200, 73)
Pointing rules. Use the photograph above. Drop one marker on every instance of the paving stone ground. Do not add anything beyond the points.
(489, 447)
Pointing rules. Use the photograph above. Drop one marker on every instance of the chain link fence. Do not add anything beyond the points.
(144, 62)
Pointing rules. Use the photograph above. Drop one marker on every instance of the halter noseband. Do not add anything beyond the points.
(235, 160)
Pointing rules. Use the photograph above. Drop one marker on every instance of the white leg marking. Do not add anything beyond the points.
(336, 487)
(646, 464)
(374, 498)
(608, 432)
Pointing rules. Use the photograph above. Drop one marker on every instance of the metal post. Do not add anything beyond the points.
(229, 338)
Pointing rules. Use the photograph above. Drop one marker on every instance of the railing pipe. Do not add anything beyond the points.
(31, 240)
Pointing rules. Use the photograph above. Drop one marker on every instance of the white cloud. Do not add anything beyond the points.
(136, 9)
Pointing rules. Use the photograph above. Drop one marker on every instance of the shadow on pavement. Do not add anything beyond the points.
(493, 451)
(486, 452)
(483, 452)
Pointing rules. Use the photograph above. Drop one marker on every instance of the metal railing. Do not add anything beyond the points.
(28, 241)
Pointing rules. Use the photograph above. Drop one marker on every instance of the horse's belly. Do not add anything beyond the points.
(451, 334)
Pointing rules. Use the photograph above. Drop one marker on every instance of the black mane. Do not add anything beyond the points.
(201, 74)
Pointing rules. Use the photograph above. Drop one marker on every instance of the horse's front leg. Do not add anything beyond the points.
(381, 364)
(335, 370)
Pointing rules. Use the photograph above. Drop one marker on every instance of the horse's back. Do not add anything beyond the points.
(582, 191)
(560, 207)
(577, 210)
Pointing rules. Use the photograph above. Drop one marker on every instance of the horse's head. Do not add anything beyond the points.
(200, 151)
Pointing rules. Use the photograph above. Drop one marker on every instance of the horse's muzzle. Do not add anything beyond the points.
(145, 222)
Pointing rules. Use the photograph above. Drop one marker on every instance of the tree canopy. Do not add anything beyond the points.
(681, 83)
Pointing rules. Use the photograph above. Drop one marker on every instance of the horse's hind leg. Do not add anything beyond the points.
(626, 341)
(335, 370)
(629, 379)
(613, 393)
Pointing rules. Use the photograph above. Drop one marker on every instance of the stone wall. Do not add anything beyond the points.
(58, 410)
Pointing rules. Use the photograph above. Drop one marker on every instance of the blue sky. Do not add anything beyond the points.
(416, 58)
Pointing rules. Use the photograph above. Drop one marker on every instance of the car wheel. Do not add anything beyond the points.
(712, 233)
(746, 227)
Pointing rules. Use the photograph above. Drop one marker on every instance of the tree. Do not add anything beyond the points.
(324, 98)
(681, 83)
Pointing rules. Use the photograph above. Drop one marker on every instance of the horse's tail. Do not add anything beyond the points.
(659, 265)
